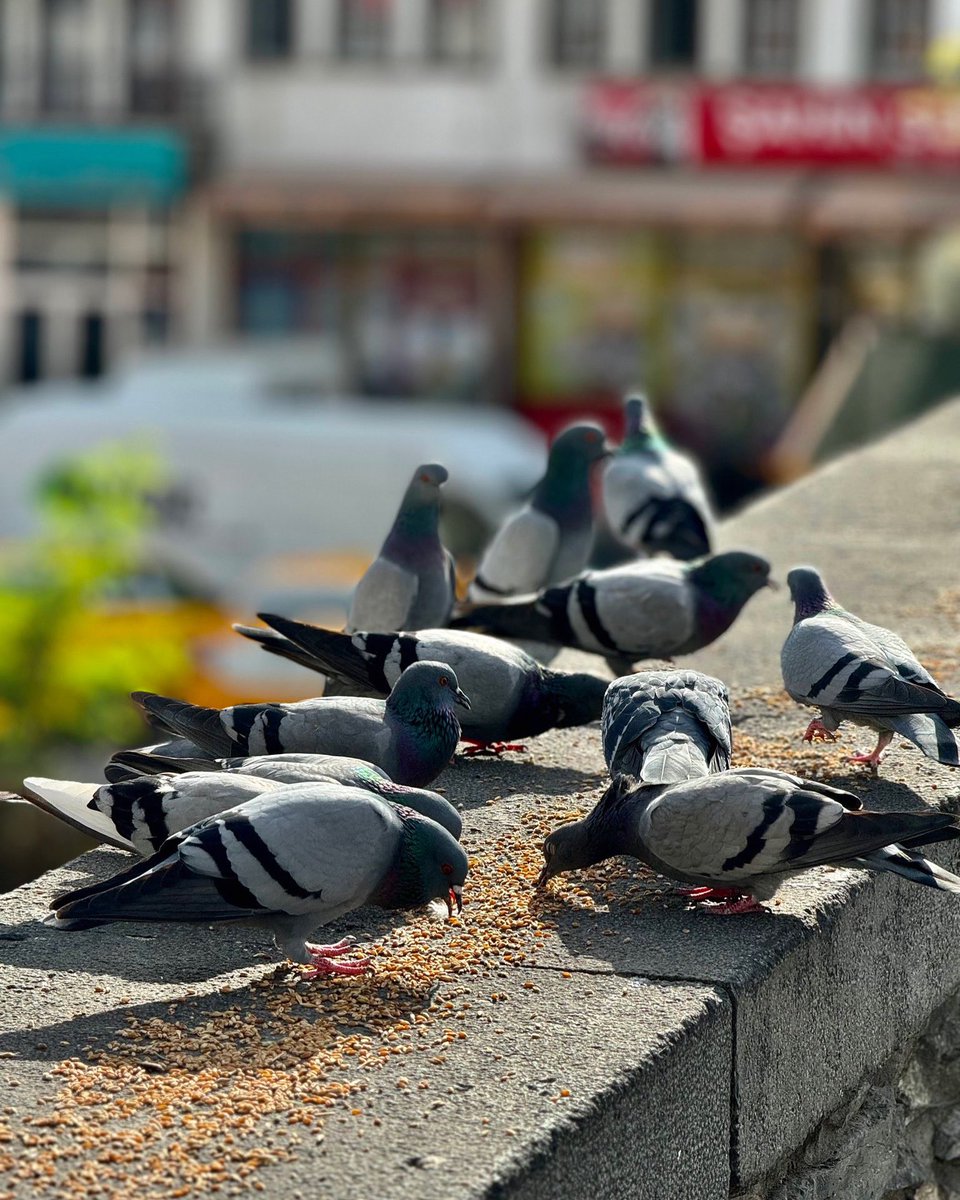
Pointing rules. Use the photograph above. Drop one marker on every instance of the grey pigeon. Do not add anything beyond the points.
(412, 581)
(291, 860)
(650, 609)
(141, 813)
(666, 726)
(855, 671)
(298, 768)
(550, 538)
(738, 835)
(411, 734)
(653, 495)
(511, 694)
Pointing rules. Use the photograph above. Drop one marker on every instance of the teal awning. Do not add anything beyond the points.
(83, 168)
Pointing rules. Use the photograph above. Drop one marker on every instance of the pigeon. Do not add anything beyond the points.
(412, 581)
(851, 670)
(550, 538)
(738, 835)
(298, 768)
(292, 860)
(649, 609)
(511, 694)
(653, 495)
(411, 734)
(666, 726)
(141, 813)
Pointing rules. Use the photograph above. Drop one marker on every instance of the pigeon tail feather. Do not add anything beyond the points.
(931, 735)
(70, 802)
(913, 867)
(323, 649)
(200, 725)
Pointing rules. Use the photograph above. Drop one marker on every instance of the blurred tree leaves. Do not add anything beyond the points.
(69, 653)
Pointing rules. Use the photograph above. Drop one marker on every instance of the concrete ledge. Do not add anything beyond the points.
(614, 1040)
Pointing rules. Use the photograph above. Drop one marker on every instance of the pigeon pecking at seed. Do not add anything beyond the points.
(666, 726)
(511, 694)
(411, 734)
(550, 538)
(852, 670)
(653, 495)
(141, 813)
(291, 860)
(651, 609)
(739, 835)
(412, 581)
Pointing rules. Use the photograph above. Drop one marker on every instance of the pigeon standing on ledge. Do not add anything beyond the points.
(411, 735)
(739, 835)
(550, 538)
(653, 495)
(291, 860)
(651, 609)
(141, 813)
(666, 726)
(412, 582)
(851, 670)
(511, 694)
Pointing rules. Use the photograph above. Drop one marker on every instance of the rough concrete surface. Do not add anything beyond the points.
(615, 1039)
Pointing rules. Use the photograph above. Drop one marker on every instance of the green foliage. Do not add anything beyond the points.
(67, 661)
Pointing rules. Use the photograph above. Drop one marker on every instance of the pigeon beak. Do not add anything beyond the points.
(772, 583)
(544, 875)
(462, 699)
(454, 897)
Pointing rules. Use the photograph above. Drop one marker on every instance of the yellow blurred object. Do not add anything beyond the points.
(943, 59)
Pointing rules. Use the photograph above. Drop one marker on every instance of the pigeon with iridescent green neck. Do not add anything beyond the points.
(412, 582)
(290, 860)
(654, 496)
(142, 812)
(411, 735)
(550, 538)
(653, 608)
(852, 670)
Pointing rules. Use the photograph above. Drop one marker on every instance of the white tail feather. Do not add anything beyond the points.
(67, 800)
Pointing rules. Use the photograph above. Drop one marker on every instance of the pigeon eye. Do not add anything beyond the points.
(424, 478)
(447, 869)
(443, 681)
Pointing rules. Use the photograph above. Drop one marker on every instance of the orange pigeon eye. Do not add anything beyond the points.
(443, 681)
(424, 478)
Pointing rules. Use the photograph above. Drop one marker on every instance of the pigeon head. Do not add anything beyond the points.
(427, 685)
(431, 865)
(639, 424)
(808, 593)
(420, 508)
(731, 578)
(580, 444)
(598, 835)
(566, 849)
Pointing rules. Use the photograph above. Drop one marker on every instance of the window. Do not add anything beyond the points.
(65, 65)
(900, 33)
(458, 31)
(269, 29)
(364, 30)
(674, 35)
(151, 34)
(577, 34)
(770, 48)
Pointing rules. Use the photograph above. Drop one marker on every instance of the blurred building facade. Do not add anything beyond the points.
(453, 195)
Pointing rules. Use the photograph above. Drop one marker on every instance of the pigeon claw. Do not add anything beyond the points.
(710, 893)
(818, 732)
(323, 960)
(746, 904)
(475, 747)
(873, 759)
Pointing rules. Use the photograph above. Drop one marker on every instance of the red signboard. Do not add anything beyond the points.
(771, 124)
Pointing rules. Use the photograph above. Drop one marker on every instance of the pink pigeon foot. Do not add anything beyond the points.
(746, 904)
(710, 893)
(817, 731)
(474, 747)
(322, 960)
(872, 760)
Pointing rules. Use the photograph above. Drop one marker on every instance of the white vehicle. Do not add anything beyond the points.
(271, 473)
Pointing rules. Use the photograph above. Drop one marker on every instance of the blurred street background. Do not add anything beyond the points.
(260, 258)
